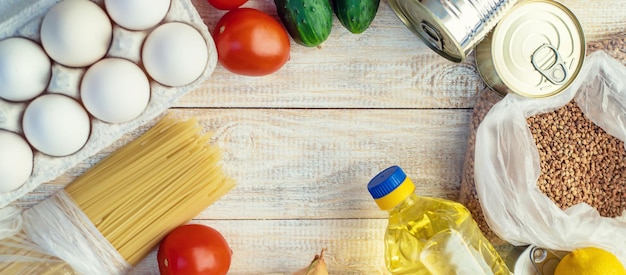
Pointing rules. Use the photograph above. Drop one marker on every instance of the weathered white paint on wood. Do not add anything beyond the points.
(375, 99)
(384, 67)
(303, 164)
(284, 246)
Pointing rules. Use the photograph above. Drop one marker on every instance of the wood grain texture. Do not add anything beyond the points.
(384, 67)
(284, 246)
(303, 142)
(309, 164)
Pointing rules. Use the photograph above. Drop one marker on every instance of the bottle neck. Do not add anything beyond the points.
(409, 201)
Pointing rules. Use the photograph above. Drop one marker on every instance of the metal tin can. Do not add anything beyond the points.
(537, 261)
(452, 28)
(536, 50)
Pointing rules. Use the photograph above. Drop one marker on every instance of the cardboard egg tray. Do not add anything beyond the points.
(22, 18)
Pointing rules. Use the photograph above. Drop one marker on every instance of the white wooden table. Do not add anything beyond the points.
(303, 142)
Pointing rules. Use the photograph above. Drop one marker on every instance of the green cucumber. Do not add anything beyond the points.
(309, 22)
(356, 15)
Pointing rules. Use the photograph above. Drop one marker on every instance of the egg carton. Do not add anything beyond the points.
(22, 18)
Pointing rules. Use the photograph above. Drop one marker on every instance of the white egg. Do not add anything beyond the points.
(25, 69)
(56, 125)
(115, 90)
(137, 14)
(175, 54)
(16, 161)
(76, 33)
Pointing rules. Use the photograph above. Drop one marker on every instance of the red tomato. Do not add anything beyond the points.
(227, 4)
(194, 249)
(251, 42)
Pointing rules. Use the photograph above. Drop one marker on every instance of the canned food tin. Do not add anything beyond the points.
(537, 261)
(452, 28)
(536, 50)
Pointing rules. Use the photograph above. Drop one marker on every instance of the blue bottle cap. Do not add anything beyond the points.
(390, 187)
(386, 181)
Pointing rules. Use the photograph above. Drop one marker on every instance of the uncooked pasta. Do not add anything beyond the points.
(135, 196)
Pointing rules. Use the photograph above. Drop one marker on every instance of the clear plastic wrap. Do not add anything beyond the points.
(55, 237)
(485, 99)
(507, 165)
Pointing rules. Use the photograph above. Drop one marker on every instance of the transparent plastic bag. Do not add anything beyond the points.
(507, 165)
(55, 237)
(485, 99)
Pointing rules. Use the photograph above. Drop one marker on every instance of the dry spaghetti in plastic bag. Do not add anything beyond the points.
(112, 216)
(55, 237)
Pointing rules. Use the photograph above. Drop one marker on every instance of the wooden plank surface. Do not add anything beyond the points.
(308, 164)
(384, 67)
(283, 246)
(302, 143)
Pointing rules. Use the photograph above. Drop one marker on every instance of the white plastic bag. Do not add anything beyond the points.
(507, 165)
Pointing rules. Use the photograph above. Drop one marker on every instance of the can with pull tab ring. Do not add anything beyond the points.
(536, 50)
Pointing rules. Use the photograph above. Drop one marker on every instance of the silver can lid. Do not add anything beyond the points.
(538, 48)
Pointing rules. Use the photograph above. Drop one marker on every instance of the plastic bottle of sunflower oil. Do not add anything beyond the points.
(430, 235)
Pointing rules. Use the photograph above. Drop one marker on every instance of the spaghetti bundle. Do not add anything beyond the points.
(114, 214)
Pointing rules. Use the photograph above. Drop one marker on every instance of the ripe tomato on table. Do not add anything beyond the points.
(226, 4)
(194, 249)
(251, 42)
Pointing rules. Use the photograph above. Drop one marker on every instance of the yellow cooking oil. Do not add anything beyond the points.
(430, 235)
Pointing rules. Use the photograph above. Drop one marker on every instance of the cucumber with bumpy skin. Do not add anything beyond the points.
(309, 22)
(356, 15)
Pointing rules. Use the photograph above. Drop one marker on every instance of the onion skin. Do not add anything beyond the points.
(317, 266)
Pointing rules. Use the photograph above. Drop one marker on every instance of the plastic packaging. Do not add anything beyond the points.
(55, 237)
(430, 235)
(484, 100)
(507, 165)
